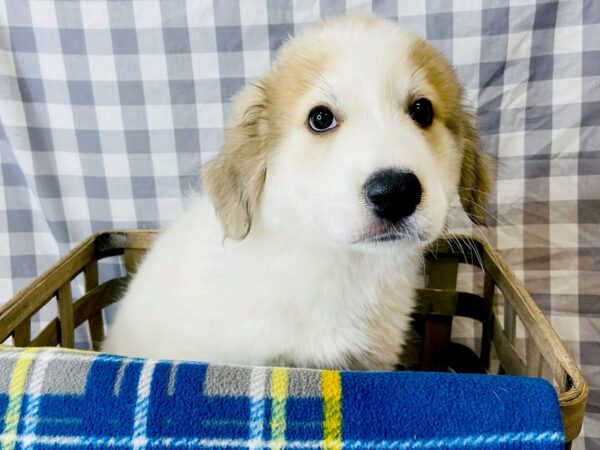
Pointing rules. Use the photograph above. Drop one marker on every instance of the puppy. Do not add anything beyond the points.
(304, 249)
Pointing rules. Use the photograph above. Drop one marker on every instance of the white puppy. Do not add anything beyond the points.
(338, 168)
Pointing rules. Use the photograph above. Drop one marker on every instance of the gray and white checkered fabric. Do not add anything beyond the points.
(108, 109)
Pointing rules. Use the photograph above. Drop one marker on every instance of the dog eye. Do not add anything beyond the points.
(321, 119)
(421, 111)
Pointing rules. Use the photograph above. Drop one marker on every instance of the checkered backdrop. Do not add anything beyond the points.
(108, 109)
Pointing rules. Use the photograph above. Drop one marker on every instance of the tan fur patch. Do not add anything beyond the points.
(235, 178)
(476, 174)
(450, 108)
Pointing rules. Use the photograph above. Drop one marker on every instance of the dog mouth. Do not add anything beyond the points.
(395, 236)
(382, 232)
(386, 237)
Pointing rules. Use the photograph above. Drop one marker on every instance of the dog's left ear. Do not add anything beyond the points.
(235, 178)
(476, 172)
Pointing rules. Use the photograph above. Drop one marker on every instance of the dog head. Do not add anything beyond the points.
(358, 135)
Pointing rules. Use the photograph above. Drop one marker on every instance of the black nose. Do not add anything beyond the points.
(393, 194)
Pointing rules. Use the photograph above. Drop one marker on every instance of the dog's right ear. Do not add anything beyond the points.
(476, 173)
(235, 178)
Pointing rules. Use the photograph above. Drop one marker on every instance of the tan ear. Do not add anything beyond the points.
(234, 179)
(476, 173)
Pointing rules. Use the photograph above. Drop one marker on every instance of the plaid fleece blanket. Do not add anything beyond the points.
(51, 398)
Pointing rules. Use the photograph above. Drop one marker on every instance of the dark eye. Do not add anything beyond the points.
(421, 111)
(321, 119)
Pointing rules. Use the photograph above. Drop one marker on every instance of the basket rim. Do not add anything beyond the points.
(580, 385)
(572, 400)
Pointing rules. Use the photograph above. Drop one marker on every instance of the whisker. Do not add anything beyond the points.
(471, 245)
(493, 216)
(462, 250)
(493, 255)
(489, 194)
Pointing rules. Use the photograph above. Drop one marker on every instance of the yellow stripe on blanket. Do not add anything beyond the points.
(16, 389)
(331, 385)
(279, 390)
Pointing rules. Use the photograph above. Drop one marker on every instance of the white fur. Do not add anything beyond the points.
(303, 288)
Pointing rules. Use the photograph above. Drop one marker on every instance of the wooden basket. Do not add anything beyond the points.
(438, 303)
